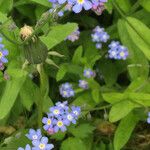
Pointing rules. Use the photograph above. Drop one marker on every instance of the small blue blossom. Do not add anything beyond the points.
(76, 111)
(26, 148)
(66, 90)
(56, 110)
(60, 124)
(99, 36)
(48, 122)
(117, 51)
(78, 5)
(83, 84)
(34, 135)
(88, 73)
(74, 36)
(42, 144)
(70, 118)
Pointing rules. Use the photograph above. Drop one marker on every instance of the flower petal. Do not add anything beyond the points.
(77, 8)
(87, 5)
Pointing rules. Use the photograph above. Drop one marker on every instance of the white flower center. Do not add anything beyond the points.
(69, 117)
(76, 113)
(34, 137)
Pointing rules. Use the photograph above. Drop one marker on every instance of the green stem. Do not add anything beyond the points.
(40, 102)
(98, 108)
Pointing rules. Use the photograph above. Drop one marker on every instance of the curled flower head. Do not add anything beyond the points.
(55, 122)
(88, 73)
(42, 144)
(74, 36)
(83, 84)
(117, 51)
(66, 90)
(26, 148)
(34, 135)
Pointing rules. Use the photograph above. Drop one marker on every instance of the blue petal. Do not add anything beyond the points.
(77, 8)
(61, 1)
(87, 5)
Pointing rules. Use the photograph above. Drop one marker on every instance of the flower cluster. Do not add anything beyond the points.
(74, 36)
(38, 142)
(117, 51)
(3, 54)
(60, 116)
(66, 90)
(78, 5)
(99, 36)
(148, 119)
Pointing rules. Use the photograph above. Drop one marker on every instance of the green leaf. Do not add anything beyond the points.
(3, 17)
(145, 4)
(73, 144)
(28, 94)
(42, 2)
(82, 131)
(140, 34)
(10, 93)
(58, 33)
(124, 130)
(125, 5)
(68, 68)
(6, 5)
(77, 55)
(137, 61)
(113, 97)
(121, 109)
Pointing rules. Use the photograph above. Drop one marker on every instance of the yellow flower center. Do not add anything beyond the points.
(80, 1)
(49, 121)
(65, 93)
(59, 123)
(56, 111)
(42, 146)
(1, 54)
(122, 54)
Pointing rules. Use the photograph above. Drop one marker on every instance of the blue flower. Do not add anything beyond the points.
(117, 51)
(47, 121)
(74, 36)
(34, 135)
(83, 84)
(55, 111)
(42, 144)
(26, 148)
(98, 45)
(66, 90)
(60, 124)
(88, 73)
(78, 5)
(70, 118)
(76, 111)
